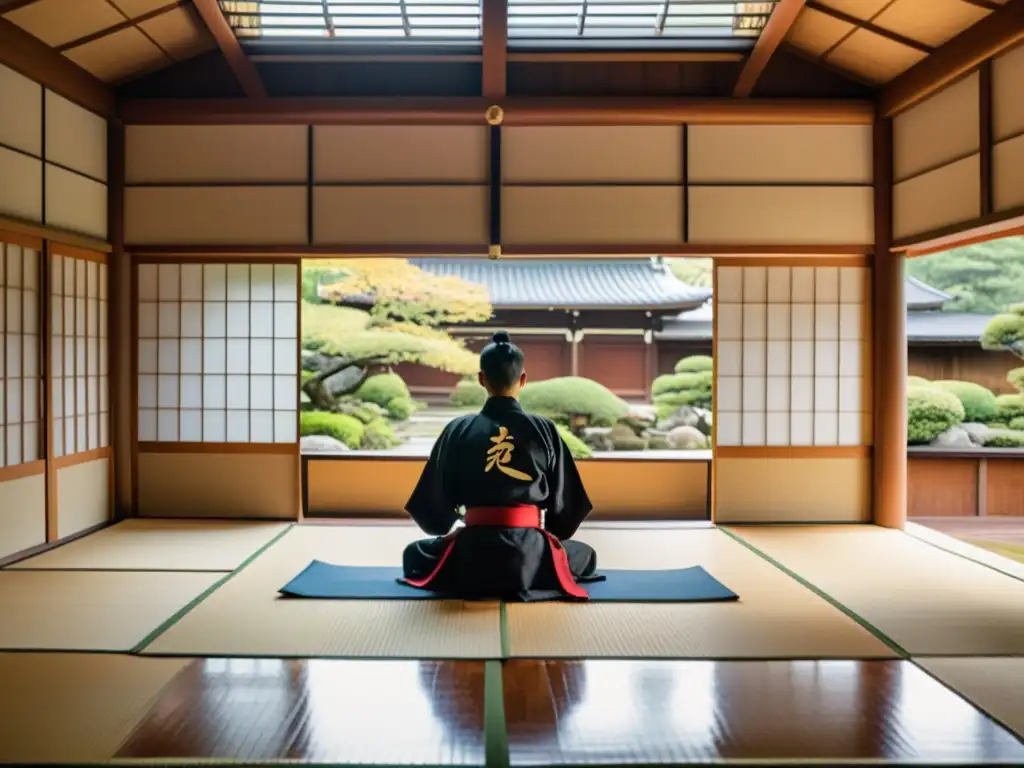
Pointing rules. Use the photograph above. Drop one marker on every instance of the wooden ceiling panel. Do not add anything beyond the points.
(873, 57)
(932, 22)
(119, 56)
(135, 8)
(56, 22)
(815, 32)
(859, 9)
(180, 32)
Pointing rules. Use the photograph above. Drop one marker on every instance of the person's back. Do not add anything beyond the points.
(503, 466)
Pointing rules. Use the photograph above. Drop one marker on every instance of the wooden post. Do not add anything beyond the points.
(889, 346)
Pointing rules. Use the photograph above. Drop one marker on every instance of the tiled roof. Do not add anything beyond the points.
(573, 283)
(920, 296)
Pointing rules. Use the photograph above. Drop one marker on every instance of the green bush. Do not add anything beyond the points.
(1016, 377)
(1006, 441)
(468, 393)
(1017, 424)
(979, 404)
(1009, 407)
(379, 436)
(382, 389)
(917, 381)
(365, 412)
(307, 375)
(558, 398)
(681, 382)
(663, 410)
(340, 426)
(577, 447)
(401, 408)
(930, 412)
(997, 425)
(695, 364)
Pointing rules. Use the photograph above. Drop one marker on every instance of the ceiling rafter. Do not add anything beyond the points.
(997, 32)
(126, 24)
(869, 27)
(224, 36)
(774, 32)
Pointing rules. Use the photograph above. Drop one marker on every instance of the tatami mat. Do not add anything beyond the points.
(776, 617)
(160, 545)
(246, 616)
(971, 552)
(90, 610)
(928, 601)
(995, 685)
(75, 708)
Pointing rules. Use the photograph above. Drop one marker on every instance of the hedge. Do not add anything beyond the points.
(1017, 424)
(979, 404)
(347, 429)
(679, 382)
(577, 447)
(1009, 407)
(930, 412)
(1006, 441)
(917, 381)
(558, 398)
(468, 393)
(1016, 377)
(382, 389)
(695, 364)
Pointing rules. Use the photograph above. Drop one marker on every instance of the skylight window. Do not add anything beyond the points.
(355, 20)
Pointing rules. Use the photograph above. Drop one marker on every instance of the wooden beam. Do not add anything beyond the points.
(991, 36)
(518, 111)
(985, 134)
(779, 24)
(495, 48)
(889, 346)
(224, 36)
(37, 61)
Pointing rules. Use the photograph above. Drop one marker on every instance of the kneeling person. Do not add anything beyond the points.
(504, 466)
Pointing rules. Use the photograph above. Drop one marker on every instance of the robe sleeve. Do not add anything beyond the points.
(568, 503)
(431, 504)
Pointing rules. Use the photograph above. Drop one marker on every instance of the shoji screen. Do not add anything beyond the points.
(1008, 130)
(22, 447)
(793, 390)
(80, 387)
(218, 384)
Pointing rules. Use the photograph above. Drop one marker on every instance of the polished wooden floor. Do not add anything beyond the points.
(566, 713)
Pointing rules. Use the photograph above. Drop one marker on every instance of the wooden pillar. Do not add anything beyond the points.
(120, 340)
(650, 361)
(574, 363)
(889, 346)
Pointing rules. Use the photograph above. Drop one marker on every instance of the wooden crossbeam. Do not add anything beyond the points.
(495, 48)
(224, 36)
(36, 60)
(994, 34)
(774, 32)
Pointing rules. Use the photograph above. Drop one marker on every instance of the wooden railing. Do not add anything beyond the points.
(976, 482)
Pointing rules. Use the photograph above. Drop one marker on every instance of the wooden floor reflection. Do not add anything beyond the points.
(319, 710)
(658, 712)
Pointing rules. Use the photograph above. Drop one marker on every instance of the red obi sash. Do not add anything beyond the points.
(523, 516)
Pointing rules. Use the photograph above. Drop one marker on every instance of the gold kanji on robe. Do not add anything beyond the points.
(500, 454)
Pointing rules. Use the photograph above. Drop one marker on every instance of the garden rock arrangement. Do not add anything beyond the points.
(961, 415)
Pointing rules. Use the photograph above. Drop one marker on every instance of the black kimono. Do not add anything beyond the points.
(504, 466)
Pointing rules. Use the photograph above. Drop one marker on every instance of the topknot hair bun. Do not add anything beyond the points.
(501, 337)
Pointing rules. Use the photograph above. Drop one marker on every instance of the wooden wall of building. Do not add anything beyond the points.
(988, 368)
(792, 392)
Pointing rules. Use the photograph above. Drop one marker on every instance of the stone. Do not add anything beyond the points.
(687, 438)
(688, 416)
(954, 437)
(656, 440)
(625, 439)
(977, 432)
(598, 438)
(321, 444)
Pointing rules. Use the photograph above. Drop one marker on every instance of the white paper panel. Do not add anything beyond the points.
(949, 195)
(75, 203)
(1007, 86)
(939, 130)
(21, 193)
(75, 137)
(22, 113)
(1008, 174)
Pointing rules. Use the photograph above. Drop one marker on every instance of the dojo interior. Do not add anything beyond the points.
(164, 174)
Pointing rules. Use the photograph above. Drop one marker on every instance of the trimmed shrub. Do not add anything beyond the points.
(997, 425)
(695, 364)
(1006, 441)
(680, 382)
(382, 389)
(917, 381)
(558, 398)
(1016, 377)
(979, 404)
(379, 436)
(930, 412)
(1017, 424)
(663, 410)
(468, 393)
(365, 412)
(577, 447)
(401, 408)
(1009, 407)
(346, 429)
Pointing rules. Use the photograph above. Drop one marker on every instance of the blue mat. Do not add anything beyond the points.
(345, 582)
